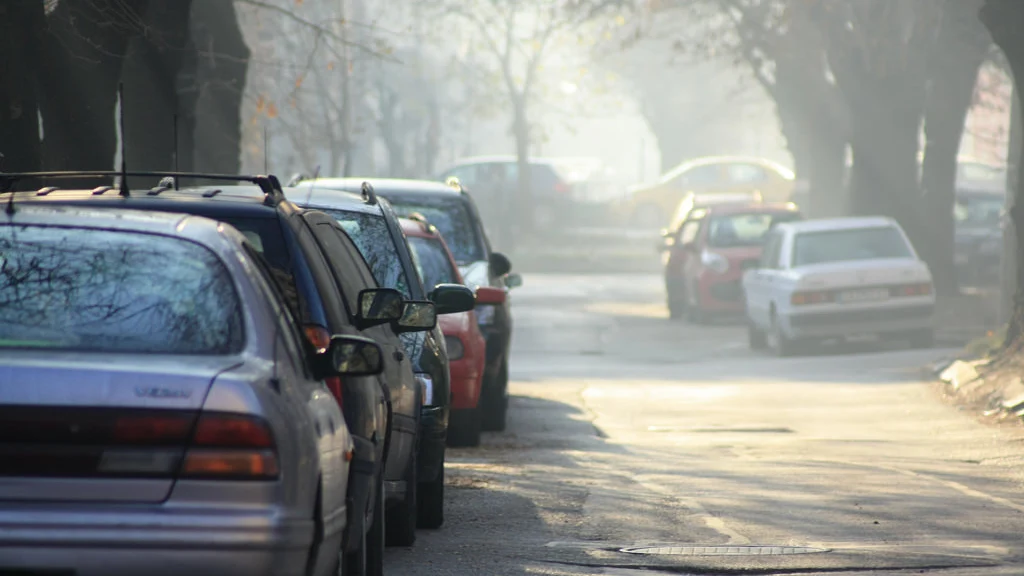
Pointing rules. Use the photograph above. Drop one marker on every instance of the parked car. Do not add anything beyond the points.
(467, 354)
(716, 245)
(670, 245)
(374, 227)
(838, 277)
(453, 212)
(649, 204)
(162, 412)
(493, 181)
(330, 291)
(979, 220)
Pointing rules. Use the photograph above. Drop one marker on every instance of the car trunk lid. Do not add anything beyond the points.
(863, 273)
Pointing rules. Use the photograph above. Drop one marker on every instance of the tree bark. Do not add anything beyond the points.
(83, 57)
(221, 74)
(961, 47)
(1003, 19)
(1008, 281)
(159, 83)
(21, 28)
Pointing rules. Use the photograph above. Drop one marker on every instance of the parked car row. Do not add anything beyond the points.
(239, 378)
(795, 281)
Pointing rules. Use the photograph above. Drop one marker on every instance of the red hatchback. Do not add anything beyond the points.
(716, 245)
(467, 350)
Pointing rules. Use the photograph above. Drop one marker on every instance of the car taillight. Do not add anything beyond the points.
(334, 385)
(922, 289)
(231, 446)
(318, 336)
(146, 445)
(813, 297)
(170, 429)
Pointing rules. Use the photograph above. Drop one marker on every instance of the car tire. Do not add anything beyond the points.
(676, 303)
(781, 345)
(431, 502)
(401, 518)
(495, 413)
(464, 428)
(755, 337)
(377, 535)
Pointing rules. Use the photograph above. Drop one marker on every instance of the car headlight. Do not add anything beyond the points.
(426, 384)
(455, 348)
(715, 262)
(485, 315)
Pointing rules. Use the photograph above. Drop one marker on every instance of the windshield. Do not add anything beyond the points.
(373, 239)
(843, 245)
(737, 230)
(454, 220)
(978, 212)
(432, 263)
(107, 291)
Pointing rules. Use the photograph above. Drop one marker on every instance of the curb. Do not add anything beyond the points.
(1000, 395)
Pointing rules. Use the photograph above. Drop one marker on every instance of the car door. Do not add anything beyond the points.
(758, 282)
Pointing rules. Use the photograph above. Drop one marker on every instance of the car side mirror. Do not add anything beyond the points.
(500, 264)
(378, 306)
(352, 356)
(452, 298)
(417, 316)
(490, 295)
(513, 281)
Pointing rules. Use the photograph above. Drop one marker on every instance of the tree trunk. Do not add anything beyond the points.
(21, 28)
(1003, 19)
(159, 83)
(1008, 282)
(961, 47)
(828, 173)
(221, 73)
(78, 83)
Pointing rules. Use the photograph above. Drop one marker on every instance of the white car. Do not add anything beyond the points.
(840, 277)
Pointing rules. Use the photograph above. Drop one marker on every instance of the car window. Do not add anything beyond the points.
(347, 265)
(978, 212)
(772, 251)
(267, 239)
(688, 233)
(700, 176)
(734, 230)
(432, 263)
(453, 219)
(370, 234)
(114, 291)
(846, 245)
(745, 174)
(269, 283)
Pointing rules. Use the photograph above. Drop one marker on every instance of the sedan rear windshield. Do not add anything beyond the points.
(735, 230)
(454, 220)
(114, 291)
(844, 245)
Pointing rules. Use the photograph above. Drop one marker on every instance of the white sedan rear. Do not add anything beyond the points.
(840, 277)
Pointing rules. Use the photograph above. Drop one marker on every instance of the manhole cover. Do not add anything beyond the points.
(724, 550)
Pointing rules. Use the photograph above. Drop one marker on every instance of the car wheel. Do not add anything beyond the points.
(781, 344)
(377, 536)
(431, 503)
(676, 302)
(755, 337)
(401, 518)
(464, 428)
(495, 411)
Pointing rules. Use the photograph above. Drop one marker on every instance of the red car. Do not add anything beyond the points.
(716, 245)
(467, 350)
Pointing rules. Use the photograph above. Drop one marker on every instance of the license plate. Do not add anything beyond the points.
(866, 295)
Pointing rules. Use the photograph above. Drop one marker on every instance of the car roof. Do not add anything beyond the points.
(384, 186)
(500, 158)
(146, 221)
(849, 223)
(751, 207)
(322, 194)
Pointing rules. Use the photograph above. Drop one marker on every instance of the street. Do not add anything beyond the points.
(627, 430)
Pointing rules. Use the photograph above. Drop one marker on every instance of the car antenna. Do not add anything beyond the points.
(174, 154)
(316, 176)
(124, 161)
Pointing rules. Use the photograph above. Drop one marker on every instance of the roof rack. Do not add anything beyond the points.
(268, 183)
(453, 182)
(369, 195)
(296, 179)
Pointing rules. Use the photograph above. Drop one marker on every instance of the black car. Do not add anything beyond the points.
(452, 211)
(978, 218)
(374, 226)
(331, 291)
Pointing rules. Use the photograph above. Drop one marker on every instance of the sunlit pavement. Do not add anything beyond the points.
(628, 430)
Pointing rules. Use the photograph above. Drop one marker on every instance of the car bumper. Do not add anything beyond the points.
(433, 435)
(465, 383)
(722, 295)
(155, 540)
(877, 320)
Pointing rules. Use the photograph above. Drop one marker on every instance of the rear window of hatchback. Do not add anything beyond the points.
(92, 290)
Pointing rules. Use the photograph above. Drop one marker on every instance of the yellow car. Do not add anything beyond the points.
(652, 205)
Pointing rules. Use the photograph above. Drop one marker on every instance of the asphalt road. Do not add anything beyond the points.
(628, 430)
